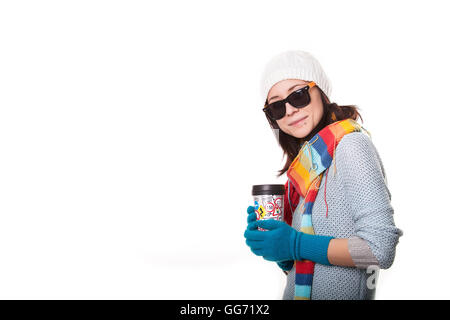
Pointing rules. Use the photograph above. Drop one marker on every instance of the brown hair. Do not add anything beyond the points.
(331, 113)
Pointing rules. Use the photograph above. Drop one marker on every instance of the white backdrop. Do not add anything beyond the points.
(131, 133)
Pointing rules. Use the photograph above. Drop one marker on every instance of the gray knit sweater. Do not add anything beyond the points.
(359, 208)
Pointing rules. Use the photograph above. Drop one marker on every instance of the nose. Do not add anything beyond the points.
(290, 109)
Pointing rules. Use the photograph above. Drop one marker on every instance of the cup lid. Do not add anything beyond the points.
(264, 189)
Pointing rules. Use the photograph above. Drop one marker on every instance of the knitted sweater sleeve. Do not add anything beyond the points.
(361, 173)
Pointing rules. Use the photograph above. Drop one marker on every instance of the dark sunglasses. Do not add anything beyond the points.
(298, 99)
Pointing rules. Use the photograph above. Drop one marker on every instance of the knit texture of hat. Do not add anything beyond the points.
(294, 65)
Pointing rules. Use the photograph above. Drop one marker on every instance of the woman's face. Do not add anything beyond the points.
(310, 115)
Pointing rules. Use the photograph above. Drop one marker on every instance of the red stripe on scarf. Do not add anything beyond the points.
(312, 193)
(305, 267)
(328, 137)
(294, 196)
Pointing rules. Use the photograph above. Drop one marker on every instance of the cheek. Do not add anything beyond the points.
(284, 126)
(316, 112)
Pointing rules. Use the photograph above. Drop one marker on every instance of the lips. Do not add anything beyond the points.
(297, 121)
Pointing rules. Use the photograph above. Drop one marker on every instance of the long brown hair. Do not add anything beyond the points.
(331, 113)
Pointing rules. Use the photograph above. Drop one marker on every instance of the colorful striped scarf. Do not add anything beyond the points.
(305, 173)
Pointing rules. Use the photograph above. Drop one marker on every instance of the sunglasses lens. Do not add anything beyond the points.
(276, 110)
(299, 99)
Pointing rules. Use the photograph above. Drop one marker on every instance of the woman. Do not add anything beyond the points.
(338, 227)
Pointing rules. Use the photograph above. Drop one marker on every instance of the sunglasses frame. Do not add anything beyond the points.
(283, 101)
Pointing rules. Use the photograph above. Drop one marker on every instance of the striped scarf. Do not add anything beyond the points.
(305, 173)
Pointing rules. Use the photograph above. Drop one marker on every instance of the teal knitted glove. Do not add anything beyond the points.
(282, 242)
(251, 217)
(276, 244)
(251, 214)
(286, 265)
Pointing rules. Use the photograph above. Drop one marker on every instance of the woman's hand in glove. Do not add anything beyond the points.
(286, 265)
(280, 243)
(251, 215)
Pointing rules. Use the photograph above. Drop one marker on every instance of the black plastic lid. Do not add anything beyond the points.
(263, 189)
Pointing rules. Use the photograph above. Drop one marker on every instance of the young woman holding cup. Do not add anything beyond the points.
(338, 226)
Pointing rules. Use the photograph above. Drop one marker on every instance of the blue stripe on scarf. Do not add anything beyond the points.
(317, 159)
(322, 150)
(303, 279)
(308, 207)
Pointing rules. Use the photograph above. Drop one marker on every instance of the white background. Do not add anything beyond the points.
(131, 133)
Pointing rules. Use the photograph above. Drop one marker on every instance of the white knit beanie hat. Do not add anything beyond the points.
(294, 65)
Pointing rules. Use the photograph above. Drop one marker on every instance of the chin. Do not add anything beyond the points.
(302, 132)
